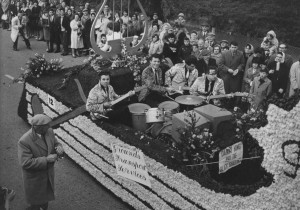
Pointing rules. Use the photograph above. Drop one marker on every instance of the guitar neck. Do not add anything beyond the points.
(120, 99)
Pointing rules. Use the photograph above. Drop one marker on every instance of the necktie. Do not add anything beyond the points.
(156, 77)
(209, 87)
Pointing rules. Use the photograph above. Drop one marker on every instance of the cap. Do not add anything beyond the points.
(154, 13)
(224, 41)
(85, 10)
(40, 119)
(181, 15)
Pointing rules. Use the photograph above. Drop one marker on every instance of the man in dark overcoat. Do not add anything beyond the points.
(38, 150)
(232, 68)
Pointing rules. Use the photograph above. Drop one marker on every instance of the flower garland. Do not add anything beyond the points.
(37, 66)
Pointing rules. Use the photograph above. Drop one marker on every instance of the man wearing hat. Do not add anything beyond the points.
(38, 150)
(156, 21)
(202, 34)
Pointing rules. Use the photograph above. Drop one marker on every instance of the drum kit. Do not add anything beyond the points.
(161, 117)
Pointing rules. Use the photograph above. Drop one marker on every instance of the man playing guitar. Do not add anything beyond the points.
(208, 85)
(183, 74)
(101, 98)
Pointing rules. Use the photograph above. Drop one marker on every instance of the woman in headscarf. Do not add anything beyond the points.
(270, 42)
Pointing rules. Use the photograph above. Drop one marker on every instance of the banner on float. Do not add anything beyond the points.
(230, 157)
(130, 164)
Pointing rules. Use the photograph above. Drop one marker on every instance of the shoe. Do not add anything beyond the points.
(40, 39)
(57, 51)
(47, 50)
(28, 47)
(9, 29)
(64, 54)
(74, 56)
(15, 49)
(50, 51)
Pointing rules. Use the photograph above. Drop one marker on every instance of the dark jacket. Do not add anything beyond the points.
(279, 78)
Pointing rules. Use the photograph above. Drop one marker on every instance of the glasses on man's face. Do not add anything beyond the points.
(281, 47)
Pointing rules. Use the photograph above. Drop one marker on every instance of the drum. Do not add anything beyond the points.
(154, 115)
(138, 116)
(171, 107)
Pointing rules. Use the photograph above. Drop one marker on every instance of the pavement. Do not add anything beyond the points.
(75, 189)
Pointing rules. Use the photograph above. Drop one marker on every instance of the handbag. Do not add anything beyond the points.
(4, 17)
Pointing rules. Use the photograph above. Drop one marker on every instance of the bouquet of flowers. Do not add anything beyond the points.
(37, 66)
(198, 145)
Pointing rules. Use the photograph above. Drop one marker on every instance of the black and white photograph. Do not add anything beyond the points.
(149, 105)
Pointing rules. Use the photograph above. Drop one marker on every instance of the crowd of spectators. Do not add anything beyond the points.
(62, 26)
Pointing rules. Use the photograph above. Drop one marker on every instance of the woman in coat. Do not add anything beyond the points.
(250, 74)
(156, 46)
(76, 38)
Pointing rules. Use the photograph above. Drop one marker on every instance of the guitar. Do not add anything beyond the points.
(178, 88)
(230, 95)
(82, 109)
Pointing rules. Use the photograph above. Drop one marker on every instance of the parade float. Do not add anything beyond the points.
(252, 164)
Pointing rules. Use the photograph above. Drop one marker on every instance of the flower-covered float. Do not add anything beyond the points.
(173, 184)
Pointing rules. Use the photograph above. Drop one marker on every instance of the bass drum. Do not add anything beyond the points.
(155, 115)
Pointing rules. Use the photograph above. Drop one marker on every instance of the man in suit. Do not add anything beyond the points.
(38, 150)
(64, 31)
(232, 68)
(16, 29)
(152, 79)
(203, 33)
(54, 32)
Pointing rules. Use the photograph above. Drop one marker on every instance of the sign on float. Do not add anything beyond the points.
(51, 102)
(230, 157)
(130, 164)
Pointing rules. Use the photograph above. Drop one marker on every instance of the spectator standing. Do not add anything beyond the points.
(46, 29)
(261, 89)
(185, 50)
(232, 68)
(38, 150)
(170, 50)
(85, 32)
(216, 54)
(35, 14)
(76, 35)
(270, 42)
(295, 78)
(125, 18)
(107, 12)
(287, 58)
(279, 75)
(54, 32)
(117, 22)
(156, 21)
(202, 34)
(18, 28)
(101, 26)
(250, 74)
(258, 52)
(64, 28)
(155, 46)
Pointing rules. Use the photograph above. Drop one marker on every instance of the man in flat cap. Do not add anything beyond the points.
(38, 149)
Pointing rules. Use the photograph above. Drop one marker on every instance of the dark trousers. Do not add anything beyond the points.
(15, 45)
(64, 41)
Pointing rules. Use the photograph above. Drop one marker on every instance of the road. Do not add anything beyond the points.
(75, 189)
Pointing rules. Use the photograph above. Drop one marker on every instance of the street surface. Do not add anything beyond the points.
(75, 189)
